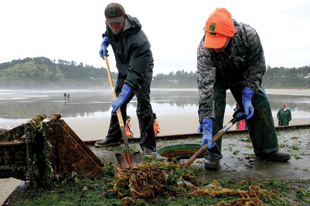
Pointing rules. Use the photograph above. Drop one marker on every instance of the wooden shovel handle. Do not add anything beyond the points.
(203, 148)
(215, 138)
(118, 111)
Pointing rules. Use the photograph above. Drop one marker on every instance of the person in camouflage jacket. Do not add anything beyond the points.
(230, 56)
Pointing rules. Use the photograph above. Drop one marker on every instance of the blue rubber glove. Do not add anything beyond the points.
(239, 114)
(103, 47)
(199, 129)
(122, 97)
(247, 95)
(207, 128)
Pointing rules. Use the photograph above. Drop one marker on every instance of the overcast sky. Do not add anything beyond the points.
(71, 29)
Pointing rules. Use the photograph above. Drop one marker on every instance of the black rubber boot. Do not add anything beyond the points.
(277, 156)
(106, 143)
(148, 152)
(211, 164)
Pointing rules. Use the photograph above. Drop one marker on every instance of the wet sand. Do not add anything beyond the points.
(181, 123)
(7, 186)
(94, 129)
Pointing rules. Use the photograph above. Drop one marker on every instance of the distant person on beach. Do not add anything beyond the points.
(230, 56)
(68, 95)
(134, 62)
(284, 115)
(129, 133)
(65, 96)
(156, 125)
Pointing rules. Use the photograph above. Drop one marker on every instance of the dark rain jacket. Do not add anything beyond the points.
(284, 117)
(133, 55)
(242, 61)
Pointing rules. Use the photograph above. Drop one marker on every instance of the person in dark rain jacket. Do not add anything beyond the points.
(134, 62)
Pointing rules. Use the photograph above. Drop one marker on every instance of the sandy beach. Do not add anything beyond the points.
(181, 123)
(94, 129)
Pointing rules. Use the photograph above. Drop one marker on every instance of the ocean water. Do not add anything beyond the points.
(19, 106)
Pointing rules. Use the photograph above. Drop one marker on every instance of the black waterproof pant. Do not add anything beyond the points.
(144, 114)
(260, 126)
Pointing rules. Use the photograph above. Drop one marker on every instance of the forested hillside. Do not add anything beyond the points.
(273, 78)
(179, 79)
(280, 77)
(42, 72)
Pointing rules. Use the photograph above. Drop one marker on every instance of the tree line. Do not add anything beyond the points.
(281, 77)
(42, 72)
(278, 77)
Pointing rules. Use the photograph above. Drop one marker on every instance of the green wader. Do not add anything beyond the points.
(260, 126)
(284, 117)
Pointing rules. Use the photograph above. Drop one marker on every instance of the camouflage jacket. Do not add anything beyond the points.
(243, 60)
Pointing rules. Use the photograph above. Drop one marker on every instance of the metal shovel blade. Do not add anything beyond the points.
(128, 158)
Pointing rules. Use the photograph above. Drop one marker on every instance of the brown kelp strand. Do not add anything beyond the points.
(160, 179)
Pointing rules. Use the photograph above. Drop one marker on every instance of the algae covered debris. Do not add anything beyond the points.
(163, 182)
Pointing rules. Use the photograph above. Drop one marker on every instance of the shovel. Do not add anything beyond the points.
(127, 158)
(216, 136)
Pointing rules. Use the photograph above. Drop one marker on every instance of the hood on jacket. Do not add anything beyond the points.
(135, 27)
